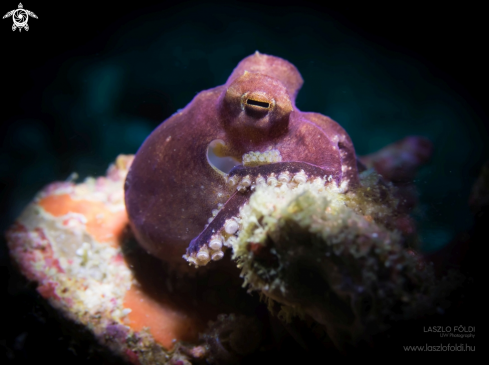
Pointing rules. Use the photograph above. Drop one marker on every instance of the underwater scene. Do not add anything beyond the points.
(237, 183)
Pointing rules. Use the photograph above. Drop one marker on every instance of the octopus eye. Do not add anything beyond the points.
(255, 106)
(258, 103)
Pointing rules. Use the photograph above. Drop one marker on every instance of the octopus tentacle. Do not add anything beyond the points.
(208, 245)
(202, 242)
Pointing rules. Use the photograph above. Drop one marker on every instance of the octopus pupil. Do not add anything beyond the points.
(257, 103)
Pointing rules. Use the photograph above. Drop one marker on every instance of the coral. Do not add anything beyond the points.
(69, 240)
(333, 257)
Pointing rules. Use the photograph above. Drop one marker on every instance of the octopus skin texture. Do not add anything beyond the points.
(180, 204)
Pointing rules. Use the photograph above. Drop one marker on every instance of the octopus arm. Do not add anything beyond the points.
(208, 244)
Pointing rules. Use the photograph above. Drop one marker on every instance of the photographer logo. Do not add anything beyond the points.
(20, 17)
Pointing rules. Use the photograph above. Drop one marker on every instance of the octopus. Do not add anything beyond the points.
(182, 203)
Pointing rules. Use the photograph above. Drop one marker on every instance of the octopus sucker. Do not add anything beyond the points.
(231, 226)
(174, 185)
(216, 242)
(261, 158)
(272, 180)
(230, 209)
(284, 172)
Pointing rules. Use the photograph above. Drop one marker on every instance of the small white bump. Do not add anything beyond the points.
(217, 255)
(246, 181)
(300, 178)
(284, 177)
(214, 212)
(233, 180)
(260, 180)
(190, 259)
(344, 186)
(272, 181)
(216, 242)
(203, 256)
(254, 158)
(244, 184)
(210, 220)
(231, 226)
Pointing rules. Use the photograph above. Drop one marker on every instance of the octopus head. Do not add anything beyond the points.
(255, 105)
(259, 98)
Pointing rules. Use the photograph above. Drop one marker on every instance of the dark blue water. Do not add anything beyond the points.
(103, 92)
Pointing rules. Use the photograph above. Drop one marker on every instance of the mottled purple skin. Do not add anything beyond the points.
(171, 188)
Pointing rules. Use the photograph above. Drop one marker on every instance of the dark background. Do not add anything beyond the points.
(89, 81)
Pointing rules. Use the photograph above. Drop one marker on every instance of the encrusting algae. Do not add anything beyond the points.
(334, 257)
